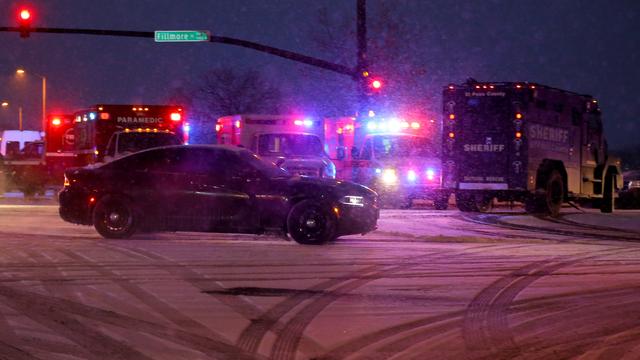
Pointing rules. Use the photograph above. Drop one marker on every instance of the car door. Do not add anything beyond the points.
(160, 191)
(219, 205)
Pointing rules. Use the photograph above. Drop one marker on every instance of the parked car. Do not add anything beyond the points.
(212, 188)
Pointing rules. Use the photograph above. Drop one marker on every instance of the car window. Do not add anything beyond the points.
(204, 161)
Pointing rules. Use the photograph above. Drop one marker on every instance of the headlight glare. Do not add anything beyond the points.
(389, 176)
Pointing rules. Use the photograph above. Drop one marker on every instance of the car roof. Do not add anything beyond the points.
(235, 149)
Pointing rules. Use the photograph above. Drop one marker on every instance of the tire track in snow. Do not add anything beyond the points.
(287, 341)
(56, 313)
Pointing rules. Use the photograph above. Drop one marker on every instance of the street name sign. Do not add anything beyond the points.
(181, 35)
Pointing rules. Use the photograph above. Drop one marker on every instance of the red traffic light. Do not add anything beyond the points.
(24, 21)
(25, 14)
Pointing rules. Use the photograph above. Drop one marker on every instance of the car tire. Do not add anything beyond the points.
(608, 198)
(311, 223)
(114, 217)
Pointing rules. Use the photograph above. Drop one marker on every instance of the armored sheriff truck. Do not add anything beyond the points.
(525, 142)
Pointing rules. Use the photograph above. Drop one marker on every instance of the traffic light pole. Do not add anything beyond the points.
(359, 73)
(362, 66)
(323, 64)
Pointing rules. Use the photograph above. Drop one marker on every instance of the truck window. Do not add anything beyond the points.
(135, 141)
(289, 145)
(394, 146)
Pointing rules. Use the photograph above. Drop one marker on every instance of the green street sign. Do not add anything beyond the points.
(181, 35)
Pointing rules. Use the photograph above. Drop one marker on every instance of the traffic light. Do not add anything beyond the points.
(24, 22)
(375, 84)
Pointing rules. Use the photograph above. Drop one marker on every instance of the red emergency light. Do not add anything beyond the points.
(56, 122)
(176, 117)
(25, 14)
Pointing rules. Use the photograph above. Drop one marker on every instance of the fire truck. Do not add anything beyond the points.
(398, 158)
(525, 142)
(294, 143)
(60, 140)
(107, 132)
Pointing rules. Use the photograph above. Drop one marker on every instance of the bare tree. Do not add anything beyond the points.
(225, 91)
(409, 87)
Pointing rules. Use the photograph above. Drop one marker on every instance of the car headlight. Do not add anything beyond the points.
(352, 200)
(389, 176)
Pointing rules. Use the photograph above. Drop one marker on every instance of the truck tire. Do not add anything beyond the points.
(465, 202)
(534, 204)
(554, 193)
(608, 199)
(311, 223)
(441, 202)
(484, 204)
(114, 217)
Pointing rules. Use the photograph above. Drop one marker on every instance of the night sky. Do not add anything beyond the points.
(588, 47)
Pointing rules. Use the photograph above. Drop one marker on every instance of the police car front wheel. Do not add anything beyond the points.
(311, 223)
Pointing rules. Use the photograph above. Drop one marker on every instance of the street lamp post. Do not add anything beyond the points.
(44, 96)
(5, 104)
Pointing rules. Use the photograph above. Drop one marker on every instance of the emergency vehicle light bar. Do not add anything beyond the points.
(392, 125)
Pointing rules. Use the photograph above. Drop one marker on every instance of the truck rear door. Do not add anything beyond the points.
(483, 136)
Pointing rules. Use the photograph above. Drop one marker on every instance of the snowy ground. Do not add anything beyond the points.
(426, 285)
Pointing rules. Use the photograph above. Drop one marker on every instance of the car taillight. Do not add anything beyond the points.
(66, 181)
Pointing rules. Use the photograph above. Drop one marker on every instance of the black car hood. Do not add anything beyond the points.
(339, 187)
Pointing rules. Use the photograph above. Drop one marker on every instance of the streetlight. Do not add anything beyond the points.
(21, 71)
(5, 104)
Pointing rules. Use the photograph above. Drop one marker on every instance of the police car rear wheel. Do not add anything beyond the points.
(114, 218)
(484, 203)
(311, 223)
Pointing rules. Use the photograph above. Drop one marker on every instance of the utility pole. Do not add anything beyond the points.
(362, 67)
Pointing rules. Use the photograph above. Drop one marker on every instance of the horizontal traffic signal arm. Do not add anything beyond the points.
(337, 68)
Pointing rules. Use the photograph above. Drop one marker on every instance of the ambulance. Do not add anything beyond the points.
(294, 143)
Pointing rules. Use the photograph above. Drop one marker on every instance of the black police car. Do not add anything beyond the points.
(212, 188)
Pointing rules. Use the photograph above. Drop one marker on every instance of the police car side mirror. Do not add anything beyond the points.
(341, 153)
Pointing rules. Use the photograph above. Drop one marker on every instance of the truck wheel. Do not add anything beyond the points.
(311, 223)
(608, 199)
(405, 203)
(534, 204)
(465, 203)
(554, 195)
(114, 217)
(441, 202)
(484, 204)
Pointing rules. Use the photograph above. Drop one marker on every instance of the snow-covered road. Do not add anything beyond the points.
(426, 285)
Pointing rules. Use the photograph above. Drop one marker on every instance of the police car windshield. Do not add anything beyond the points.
(135, 141)
(395, 146)
(289, 145)
(267, 168)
